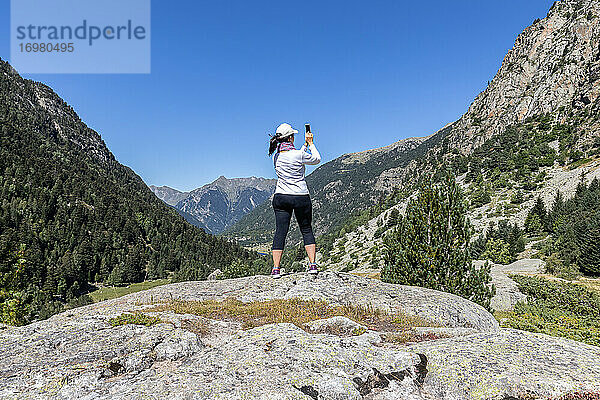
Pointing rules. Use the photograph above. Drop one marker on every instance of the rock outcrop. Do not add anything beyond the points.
(78, 355)
(554, 63)
(336, 288)
(507, 292)
(509, 364)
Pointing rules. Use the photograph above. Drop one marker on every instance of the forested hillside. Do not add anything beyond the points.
(71, 215)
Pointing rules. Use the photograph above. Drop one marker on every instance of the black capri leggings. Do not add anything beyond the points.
(283, 205)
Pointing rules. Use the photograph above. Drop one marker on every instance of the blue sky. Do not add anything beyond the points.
(226, 73)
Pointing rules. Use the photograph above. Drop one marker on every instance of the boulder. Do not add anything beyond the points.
(337, 288)
(339, 325)
(509, 364)
(277, 361)
(216, 274)
(507, 291)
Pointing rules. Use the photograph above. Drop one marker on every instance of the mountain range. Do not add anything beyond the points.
(540, 110)
(219, 204)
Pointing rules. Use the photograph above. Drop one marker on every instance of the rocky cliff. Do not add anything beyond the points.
(554, 64)
(553, 68)
(79, 354)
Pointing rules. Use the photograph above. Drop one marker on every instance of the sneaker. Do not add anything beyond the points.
(313, 268)
(276, 273)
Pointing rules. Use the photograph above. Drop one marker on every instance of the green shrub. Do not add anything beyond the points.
(15, 307)
(557, 267)
(517, 197)
(350, 266)
(558, 309)
(480, 197)
(239, 269)
(379, 232)
(497, 251)
(136, 318)
(500, 244)
(297, 266)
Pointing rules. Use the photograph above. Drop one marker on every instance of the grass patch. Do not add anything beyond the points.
(590, 283)
(502, 315)
(112, 292)
(556, 308)
(410, 336)
(136, 318)
(296, 311)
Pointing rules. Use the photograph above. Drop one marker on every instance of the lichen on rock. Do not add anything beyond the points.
(79, 354)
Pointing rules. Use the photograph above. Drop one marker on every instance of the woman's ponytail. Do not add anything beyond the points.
(275, 141)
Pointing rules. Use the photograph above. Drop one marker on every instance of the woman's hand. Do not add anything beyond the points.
(309, 138)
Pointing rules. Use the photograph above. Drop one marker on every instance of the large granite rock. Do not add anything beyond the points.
(509, 364)
(78, 355)
(507, 291)
(279, 361)
(337, 288)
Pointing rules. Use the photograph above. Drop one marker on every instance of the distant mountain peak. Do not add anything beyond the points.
(221, 203)
(168, 194)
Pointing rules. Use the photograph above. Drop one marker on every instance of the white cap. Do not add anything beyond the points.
(285, 130)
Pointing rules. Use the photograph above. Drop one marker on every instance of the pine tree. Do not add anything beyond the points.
(497, 251)
(589, 257)
(555, 212)
(537, 217)
(14, 307)
(430, 245)
(393, 218)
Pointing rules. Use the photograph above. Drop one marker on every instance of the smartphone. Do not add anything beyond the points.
(307, 128)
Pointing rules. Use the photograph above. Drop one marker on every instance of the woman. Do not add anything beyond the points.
(291, 194)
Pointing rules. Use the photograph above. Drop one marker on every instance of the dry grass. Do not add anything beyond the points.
(112, 292)
(197, 326)
(296, 311)
(371, 275)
